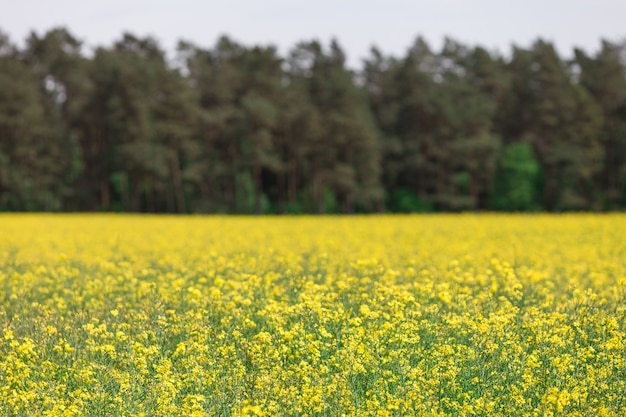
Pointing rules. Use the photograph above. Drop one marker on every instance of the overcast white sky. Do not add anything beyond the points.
(392, 25)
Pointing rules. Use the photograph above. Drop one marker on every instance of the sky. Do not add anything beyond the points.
(391, 25)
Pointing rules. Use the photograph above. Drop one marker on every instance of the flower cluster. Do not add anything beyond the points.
(442, 315)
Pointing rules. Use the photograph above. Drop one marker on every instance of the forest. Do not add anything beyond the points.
(242, 129)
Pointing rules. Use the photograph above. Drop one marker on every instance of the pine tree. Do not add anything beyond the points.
(560, 120)
(604, 77)
(32, 158)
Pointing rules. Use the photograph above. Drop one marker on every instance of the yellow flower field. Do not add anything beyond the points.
(460, 315)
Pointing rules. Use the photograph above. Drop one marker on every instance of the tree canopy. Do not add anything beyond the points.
(243, 129)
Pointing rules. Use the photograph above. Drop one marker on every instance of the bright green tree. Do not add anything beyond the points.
(516, 184)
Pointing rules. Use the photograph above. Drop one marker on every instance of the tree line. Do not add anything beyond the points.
(242, 129)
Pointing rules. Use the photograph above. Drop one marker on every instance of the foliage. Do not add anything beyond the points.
(404, 200)
(243, 129)
(517, 179)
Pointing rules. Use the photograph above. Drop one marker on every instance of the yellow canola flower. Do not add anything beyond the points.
(468, 315)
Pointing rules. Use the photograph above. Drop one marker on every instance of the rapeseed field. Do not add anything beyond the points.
(439, 315)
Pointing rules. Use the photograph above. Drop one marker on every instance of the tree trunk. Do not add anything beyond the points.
(105, 195)
(474, 192)
(136, 198)
(125, 192)
(178, 185)
(318, 191)
(348, 206)
(258, 183)
(292, 181)
(280, 178)
(206, 205)
(150, 205)
(233, 184)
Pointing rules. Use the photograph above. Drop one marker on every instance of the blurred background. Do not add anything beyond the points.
(318, 107)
